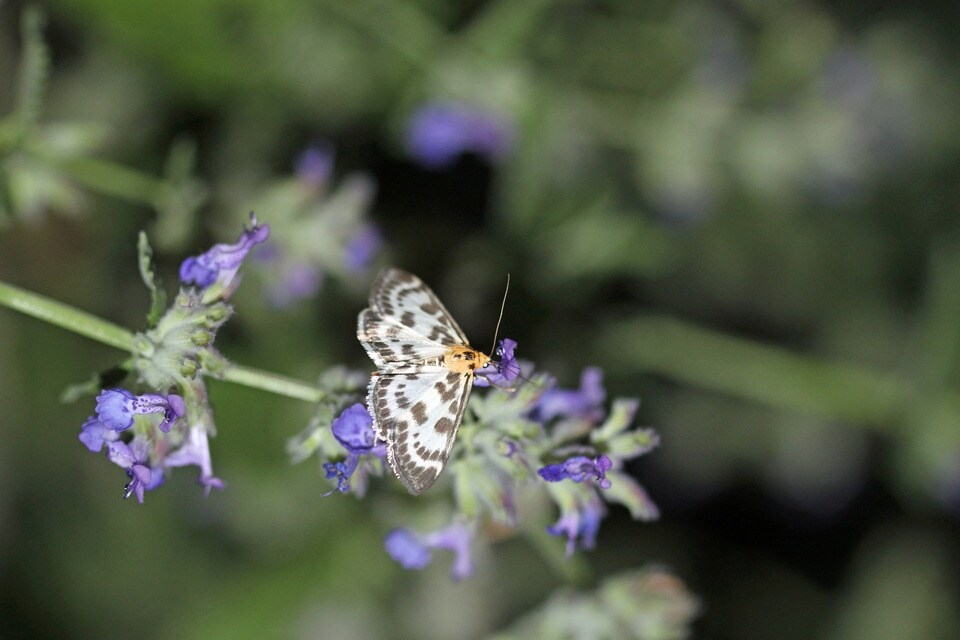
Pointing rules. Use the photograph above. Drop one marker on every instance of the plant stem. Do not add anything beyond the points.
(65, 316)
(763, 373)
(89, 325)
(273, 383)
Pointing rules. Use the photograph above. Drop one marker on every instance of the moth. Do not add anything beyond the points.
(425, 370)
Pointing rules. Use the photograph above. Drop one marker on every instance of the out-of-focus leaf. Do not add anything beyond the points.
(158, 297)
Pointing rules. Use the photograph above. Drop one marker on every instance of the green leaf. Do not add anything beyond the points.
(477, 487)
(158, 297)
(621, 415)
(626, 491)
(630, 445)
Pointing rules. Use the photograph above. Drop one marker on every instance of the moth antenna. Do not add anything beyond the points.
(503, 306)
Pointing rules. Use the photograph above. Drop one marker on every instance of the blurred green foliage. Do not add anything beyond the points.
(743, 211)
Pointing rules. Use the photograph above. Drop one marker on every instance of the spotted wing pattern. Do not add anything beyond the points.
(418, 414)
(416, 402)
(405, 299)
(391, 344)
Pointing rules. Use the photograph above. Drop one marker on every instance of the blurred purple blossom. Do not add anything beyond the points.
(407, 548)
(363, 248)
(413, 551)
(315, 165)
(580, 524)
(438, 133)
(585, 402)
(296, 281)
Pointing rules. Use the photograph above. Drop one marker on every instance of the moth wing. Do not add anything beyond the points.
(390, 343)
(403, 297)
(418, 414)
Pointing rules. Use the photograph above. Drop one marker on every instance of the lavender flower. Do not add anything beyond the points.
(221, 263)
(585, 402)
(438, 133)
(195, 450)
(295, 281)
(353, 429)
(323, 230)
(578, 469)
(147, 456)
(363, 248)
(315, 165)
(580, 521)
(407, 548)
(134, 458)
(116, 408)
(504, 436)
(174, 352)
(503, 369)
(94, 434)
(413, 551)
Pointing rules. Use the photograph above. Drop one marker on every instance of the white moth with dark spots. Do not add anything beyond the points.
(425, 370)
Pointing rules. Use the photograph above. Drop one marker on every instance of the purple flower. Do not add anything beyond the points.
(116, 408)
(503, 369)
(353, 429)
(294, 281)
(413, 551)
(439, 133)
(363, 248)
(585, 402)
(342, 472)
(222, 262)
(407, 548)
(94, 434)
(580, 525)
(578, 469)
(315, 165)
(134, 458)
(195, 450)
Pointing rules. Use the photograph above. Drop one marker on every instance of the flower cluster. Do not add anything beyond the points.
(150, 433)
(319, 231)
(523, 433)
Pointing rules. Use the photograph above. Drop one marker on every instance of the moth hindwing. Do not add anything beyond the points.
(425, 370)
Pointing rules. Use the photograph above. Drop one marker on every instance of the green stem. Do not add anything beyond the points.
(65, 316)
(763, 373)
(86, 324)
(273, 383)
